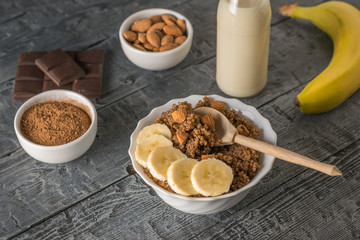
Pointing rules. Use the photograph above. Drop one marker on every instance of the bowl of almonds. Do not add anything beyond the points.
(156, 39)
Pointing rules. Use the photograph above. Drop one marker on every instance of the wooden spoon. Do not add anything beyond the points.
(229, 135)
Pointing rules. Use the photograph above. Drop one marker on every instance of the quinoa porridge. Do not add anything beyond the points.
(197, 139)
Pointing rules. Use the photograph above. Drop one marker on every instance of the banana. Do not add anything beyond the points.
(155, 128)
(211, 177)
(178, 176)
(160, 159)
(341, 78)
(146, 146)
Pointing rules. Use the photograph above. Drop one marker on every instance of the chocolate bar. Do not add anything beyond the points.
(30, 80)
(60, 67)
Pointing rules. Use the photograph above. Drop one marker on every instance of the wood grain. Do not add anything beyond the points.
(305, 207)
(98, 197)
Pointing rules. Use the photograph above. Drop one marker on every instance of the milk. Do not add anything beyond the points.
(243, 32)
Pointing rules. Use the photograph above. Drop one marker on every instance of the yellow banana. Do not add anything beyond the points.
(341, 78)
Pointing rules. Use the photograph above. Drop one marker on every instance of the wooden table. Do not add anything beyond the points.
(98, 196)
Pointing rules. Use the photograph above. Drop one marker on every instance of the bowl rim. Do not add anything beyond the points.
(244, 107)
(137, 15)
(81, 99)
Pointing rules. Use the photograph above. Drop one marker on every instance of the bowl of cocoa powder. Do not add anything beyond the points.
(56, 126)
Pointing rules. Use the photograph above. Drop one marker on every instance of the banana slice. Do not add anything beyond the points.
(160, 159)
(178, 176)
(155, 128)
(144, 148)
(211, 177)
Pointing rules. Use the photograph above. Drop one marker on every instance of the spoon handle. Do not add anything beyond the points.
(287, 155)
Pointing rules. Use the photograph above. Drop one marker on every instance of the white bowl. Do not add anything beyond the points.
(65, 152)
(207, 205)
(155, 60)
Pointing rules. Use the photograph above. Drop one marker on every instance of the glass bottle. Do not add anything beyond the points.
(242, 48)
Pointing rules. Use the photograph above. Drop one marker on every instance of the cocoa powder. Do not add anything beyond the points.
(54, 123)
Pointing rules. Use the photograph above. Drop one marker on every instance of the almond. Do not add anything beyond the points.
(243, 130)
(168, 46)
(208, 156)
(165, 17)
(148, 46)
(182, 25)
(180, 40)
(153, 39)
(208, 120)
(159, 32)
(172, 30)
(218, 105)
(169, 22)
(181, 136)
(130, 36)
(138, 46)
(179, 116)
(141, 25)
(155, 19)
(158, 26)
(142, 37)
(167, 39)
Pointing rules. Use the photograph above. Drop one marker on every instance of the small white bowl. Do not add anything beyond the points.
(65, 152)
(155, 60)
(207, 205)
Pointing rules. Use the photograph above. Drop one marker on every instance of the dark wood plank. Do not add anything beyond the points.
(95, 197)
(47, 25)
(126, 210)
(305, 206)
(110, 163)
(308, 206)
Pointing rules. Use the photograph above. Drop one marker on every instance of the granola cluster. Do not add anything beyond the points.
(196, 137)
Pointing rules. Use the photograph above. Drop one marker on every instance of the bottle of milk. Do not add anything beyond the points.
(242, 48)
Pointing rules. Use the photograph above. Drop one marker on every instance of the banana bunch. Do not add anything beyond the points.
(186, 176)
(341, 78)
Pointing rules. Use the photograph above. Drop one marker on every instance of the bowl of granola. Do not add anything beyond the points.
(177, 153)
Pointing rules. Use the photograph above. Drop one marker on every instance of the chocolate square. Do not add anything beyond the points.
(72, 55)
(29, 73)
(60, 67)
(30, 80)
(28, 58)
(65, 73)
(88, 87)
(90, 56)
(91, 70)
(52, 60)
(26, 89)
(50, 85)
